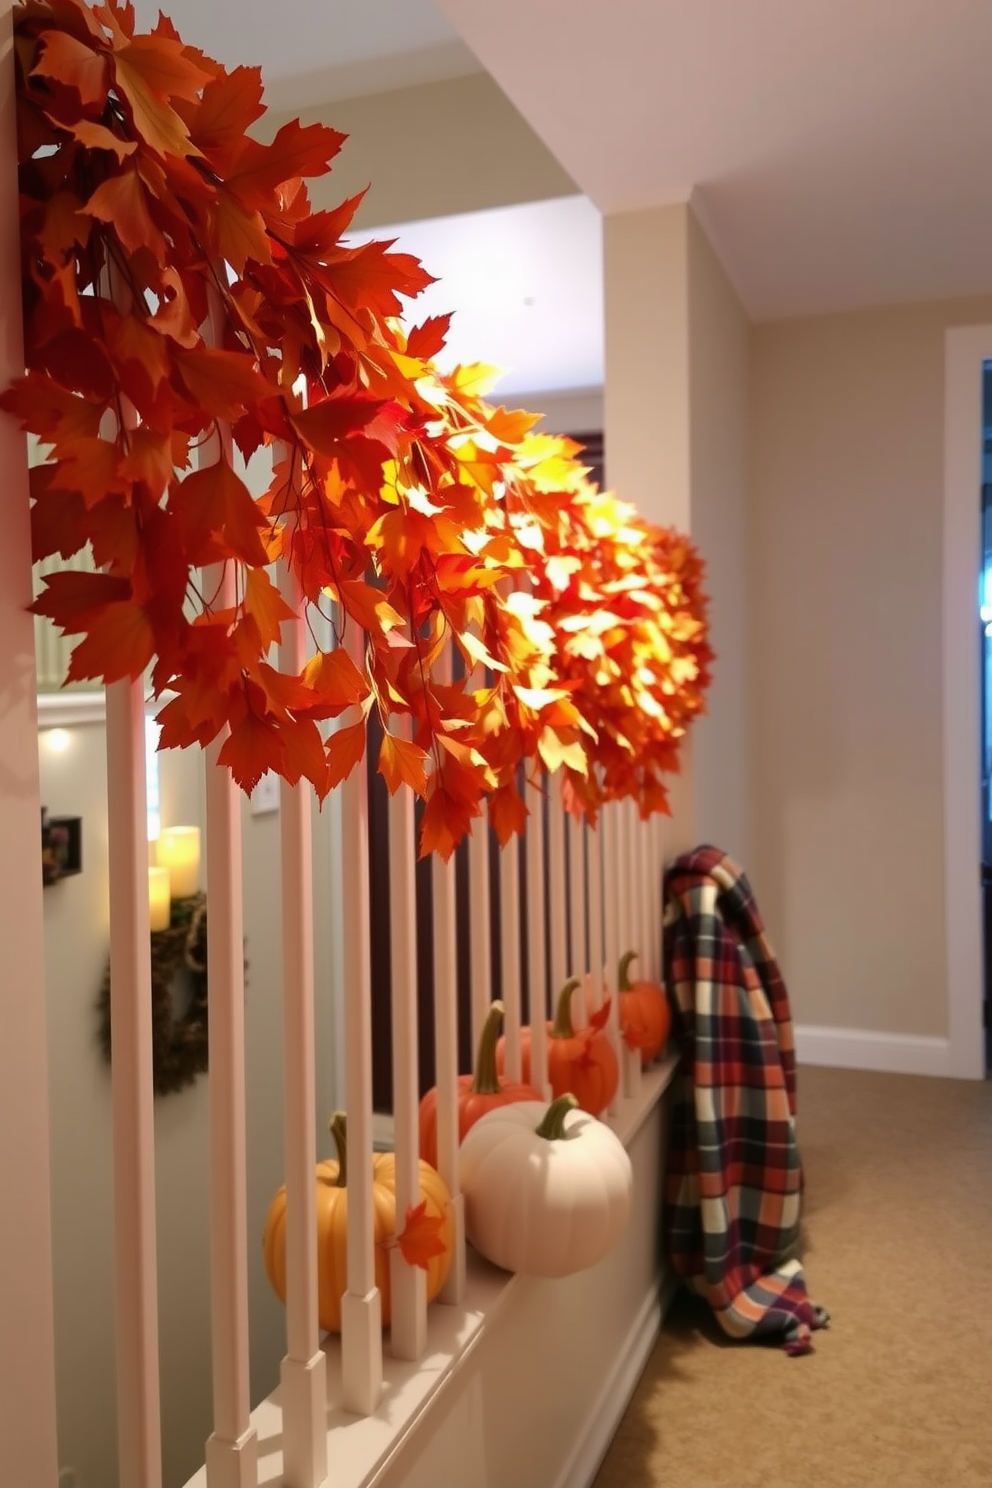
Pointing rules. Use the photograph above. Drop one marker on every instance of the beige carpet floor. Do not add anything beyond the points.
(898, 1247)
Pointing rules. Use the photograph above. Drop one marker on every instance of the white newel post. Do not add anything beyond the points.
(27, 1369)
(303, 1373)
(537, 976)
(135, 1276)
(361, 1305)
(408, 1284)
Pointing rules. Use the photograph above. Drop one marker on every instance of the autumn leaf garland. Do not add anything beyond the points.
(400, 501)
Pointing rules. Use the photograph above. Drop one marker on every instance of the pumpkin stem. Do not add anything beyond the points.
(552, 1126)
(338, 1126)
(486, 1080)
(562, 1027)
(623, 971)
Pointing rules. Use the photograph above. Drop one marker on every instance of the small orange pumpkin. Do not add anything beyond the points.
(579, 1060)
(332, 1232)
(645, 1017)
(477, 1093)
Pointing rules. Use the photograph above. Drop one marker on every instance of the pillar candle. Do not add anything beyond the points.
(178, 850)
(158, 898)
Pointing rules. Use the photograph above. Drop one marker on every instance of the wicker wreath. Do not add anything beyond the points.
(179, 1045)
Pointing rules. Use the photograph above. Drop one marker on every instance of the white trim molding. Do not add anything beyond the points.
(866, 1049)
(599, 1428)
(967, 348)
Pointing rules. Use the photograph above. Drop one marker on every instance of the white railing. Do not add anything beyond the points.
(590, 894)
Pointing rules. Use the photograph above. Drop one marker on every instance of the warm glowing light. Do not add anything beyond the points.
(178, 851)
(158, 898)
(58, 740)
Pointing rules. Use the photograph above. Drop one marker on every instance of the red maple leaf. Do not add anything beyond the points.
(422, 1236)
(427, 339)
(218, 516)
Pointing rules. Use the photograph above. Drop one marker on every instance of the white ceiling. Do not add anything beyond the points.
(837, 151)
(520, 302)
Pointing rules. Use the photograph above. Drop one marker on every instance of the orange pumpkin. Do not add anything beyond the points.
(581, 1060)
(332, 1237)
(645, 1017)
(477, 1093)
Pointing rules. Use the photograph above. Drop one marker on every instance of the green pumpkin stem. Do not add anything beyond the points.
(623, 971)
(338, 1126)
(486, 1080)
(562, 1027)
(552, 1126)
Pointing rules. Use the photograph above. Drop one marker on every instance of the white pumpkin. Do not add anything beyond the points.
(547, 1188)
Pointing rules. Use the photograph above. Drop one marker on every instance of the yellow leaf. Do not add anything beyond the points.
(555, 753)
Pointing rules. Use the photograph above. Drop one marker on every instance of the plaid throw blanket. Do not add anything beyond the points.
(734, 1179)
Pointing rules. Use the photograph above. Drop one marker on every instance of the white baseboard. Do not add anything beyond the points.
(860, 1048)
(588, 1452)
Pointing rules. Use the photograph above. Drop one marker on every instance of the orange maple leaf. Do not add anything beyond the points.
(401, 762)
(230, 103)
(304, 754)
(119, 643)
(223, 383)
(336, 683)
(72, 62)
(345, 749)
(296, 150)
(421, 1238)
(324, 425)
(266, 606)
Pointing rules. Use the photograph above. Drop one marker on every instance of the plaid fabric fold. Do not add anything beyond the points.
(734, 1180)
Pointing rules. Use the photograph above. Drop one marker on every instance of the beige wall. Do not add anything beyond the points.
(676, 411)
(431, 151)
(719, 369)
(845, 661)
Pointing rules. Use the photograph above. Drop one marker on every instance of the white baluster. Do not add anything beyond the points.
(509, 899)
(408, 1284)
(361, 1305)
(537, 976)
(232, 1448)
(560, 969)
(446, 1061)
(139, 1430)
(611, 906)
(480, 946)
(303, 1373)
(598, 986)
(577, 965)
(630, 930)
